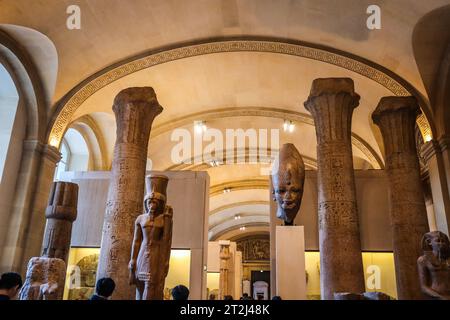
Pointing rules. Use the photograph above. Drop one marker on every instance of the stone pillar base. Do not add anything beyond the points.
(290, 262)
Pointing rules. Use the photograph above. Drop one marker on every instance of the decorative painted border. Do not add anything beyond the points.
(69, 106)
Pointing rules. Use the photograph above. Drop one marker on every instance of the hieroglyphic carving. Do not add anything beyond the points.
(254, 249)
(82, 93)
(396, 117)
(87, 276)
(331, 103)
(135, 110)
(224, 256)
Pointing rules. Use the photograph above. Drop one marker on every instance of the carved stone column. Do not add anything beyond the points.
(135, 109)
(331, 103)
(396, 117)
(224, 256)
(61, 212)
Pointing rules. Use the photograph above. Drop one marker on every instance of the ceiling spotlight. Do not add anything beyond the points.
(237, 217)
(242, 228)
(288, 126)
(199, 126)
(227, 190)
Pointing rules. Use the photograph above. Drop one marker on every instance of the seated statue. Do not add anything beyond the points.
(150, 252)
(434, 265)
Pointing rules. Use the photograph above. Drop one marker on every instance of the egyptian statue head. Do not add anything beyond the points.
(288, 178)
(156, 195)
(437, 242)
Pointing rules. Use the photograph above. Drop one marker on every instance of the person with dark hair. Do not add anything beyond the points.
(227, 297)
(10, 284)
(180, 292)
(245, 296)
(276, 298)
(104, 289)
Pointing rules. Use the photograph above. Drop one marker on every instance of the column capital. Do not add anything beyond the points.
(135, 109)
(332, 86)
(136, 95)
(331, 103)
(62, 202)
(396, 118)
(396, 105)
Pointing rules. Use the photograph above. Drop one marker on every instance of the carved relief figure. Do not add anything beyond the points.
(434, 265)
(44, 280)
(224, 256)
(288, 178)
(150, 252)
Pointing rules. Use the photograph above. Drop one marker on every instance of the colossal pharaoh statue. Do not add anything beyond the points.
(434, 265)
(152, 242)
(288, 178)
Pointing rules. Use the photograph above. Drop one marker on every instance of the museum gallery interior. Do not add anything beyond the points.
(254, 148)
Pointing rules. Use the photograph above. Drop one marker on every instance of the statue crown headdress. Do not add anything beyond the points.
(156, 187)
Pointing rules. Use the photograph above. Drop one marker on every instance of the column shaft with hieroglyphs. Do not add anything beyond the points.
(331, 103)
(396, 117)
(134, 109)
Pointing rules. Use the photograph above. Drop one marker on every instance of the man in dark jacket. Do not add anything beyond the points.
(10, 284)
(104, 289)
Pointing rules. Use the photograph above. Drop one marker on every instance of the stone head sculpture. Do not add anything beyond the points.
(437, 242)
(288, 178)
(156, 195)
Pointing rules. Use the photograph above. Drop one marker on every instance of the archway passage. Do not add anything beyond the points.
(9, 99)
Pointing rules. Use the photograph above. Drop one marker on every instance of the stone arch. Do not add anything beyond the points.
(31, 59)
(88, 128)
(70, 103)
(431, 44)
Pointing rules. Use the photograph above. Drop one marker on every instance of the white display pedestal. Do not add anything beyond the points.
(290, 262)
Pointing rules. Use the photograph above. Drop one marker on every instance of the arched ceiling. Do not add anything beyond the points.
(261, 88)
(248, 90)
(114, 29)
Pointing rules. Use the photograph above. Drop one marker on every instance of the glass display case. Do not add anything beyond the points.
(82, 271)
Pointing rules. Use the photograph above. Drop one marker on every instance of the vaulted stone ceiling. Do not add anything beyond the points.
(114, 29)
(204, 87)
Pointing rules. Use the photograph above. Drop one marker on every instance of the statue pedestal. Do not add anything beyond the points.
(290, 262)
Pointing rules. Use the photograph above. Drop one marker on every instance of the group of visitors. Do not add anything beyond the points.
(245, 296)
(11, 283)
